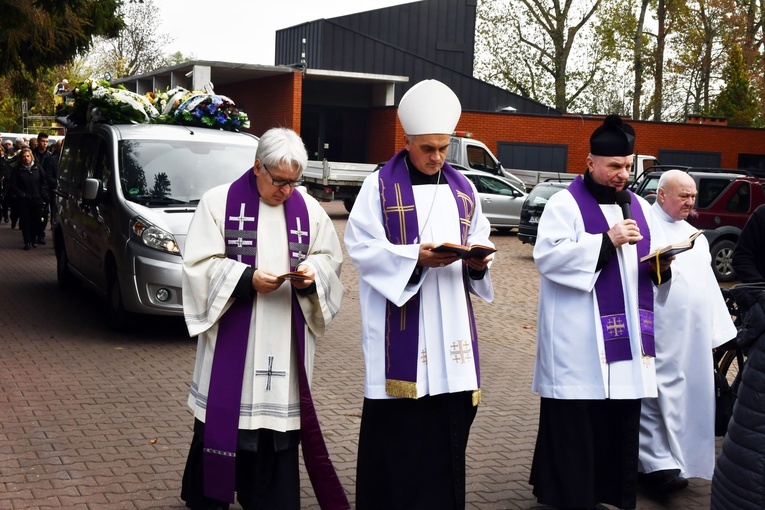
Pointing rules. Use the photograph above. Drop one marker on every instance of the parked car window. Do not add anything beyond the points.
(497, 186)
(541, 194)
(103, 170)
(709, 190)
(740, 200)
(479, 159)
(651, 185)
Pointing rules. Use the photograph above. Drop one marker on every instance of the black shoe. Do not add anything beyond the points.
(34, 245)
(41, 240)
(5, 219)
(13, 224)
(26, 246)
(665, 481)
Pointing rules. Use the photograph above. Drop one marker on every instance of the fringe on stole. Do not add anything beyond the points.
(408, 389)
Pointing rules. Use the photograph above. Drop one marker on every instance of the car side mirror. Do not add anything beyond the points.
(90, 190)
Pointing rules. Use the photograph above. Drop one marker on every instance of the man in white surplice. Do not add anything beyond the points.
(677, 437)
(595, 352)
(216, 278)
(412, 449)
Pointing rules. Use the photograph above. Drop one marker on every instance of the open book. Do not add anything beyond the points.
(673, 249)
(294, 275)
(477, 251)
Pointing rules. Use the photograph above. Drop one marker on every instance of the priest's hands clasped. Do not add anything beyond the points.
(626, 231)
(265, 281)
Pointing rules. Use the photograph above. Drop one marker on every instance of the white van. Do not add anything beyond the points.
(126, 194)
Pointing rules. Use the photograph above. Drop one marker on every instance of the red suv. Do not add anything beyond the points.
(724, 202)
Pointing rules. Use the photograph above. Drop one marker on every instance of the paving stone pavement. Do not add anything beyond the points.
(93, 419)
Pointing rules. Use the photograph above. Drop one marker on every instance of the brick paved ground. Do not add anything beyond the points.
(92, 419)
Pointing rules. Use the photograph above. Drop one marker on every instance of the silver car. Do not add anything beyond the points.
(501, 200)
(125, 198)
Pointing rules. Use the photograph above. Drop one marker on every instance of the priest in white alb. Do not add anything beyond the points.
(418, 330)
(261, 282)
(595, 338)
(677, 429)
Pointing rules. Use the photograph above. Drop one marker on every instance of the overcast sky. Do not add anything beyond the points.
(244, 31)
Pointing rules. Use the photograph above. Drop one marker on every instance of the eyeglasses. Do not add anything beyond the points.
(281, 183)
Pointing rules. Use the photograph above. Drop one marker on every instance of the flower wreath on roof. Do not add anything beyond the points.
(203, 109)
(94, 101)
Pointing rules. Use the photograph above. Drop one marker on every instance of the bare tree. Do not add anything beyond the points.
(138, 48)
(528, 45)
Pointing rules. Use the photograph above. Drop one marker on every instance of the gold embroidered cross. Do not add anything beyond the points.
(400, 209)
(615, 326)
(460, 351)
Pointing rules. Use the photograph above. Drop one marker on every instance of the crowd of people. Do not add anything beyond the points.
(28, 175)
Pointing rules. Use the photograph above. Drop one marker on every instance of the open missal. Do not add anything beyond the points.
(673, 249)
(477, 251)
(294, 275)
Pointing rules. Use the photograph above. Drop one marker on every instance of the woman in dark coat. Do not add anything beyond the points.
(739, 477)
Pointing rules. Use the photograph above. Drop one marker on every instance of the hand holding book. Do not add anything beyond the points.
(477, 251)
(673, 249)
(663, 256)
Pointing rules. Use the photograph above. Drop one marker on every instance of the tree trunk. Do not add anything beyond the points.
(661, 36)
(638, 60)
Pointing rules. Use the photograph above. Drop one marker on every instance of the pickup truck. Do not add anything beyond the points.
(531, 178)
(328, 180)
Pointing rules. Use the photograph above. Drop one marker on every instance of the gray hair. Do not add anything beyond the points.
(282, 146)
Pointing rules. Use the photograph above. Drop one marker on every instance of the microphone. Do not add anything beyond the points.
(624, 199)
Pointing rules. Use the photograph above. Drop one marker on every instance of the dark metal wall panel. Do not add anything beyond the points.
(533, 156)
(289, 45)
(690, 158)
(438, 30)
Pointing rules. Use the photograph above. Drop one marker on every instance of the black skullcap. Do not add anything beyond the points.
(613, 138)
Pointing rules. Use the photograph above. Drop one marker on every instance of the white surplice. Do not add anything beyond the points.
(571, 360)
(445, 361)
(677, 429)
(270, 397)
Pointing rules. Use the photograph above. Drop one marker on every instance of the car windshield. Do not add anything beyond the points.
(166, 172)
(541, 194)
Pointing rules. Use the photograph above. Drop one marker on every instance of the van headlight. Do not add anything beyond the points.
(153, 236)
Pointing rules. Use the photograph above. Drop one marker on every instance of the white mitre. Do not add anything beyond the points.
(429, 107)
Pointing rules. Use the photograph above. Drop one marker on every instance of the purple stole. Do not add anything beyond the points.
(222, 422)
(608, 287)
(402, 324)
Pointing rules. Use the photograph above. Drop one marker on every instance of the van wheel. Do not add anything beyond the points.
(722, 257)
(348, 203)
(117, 317)
(64, 276)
